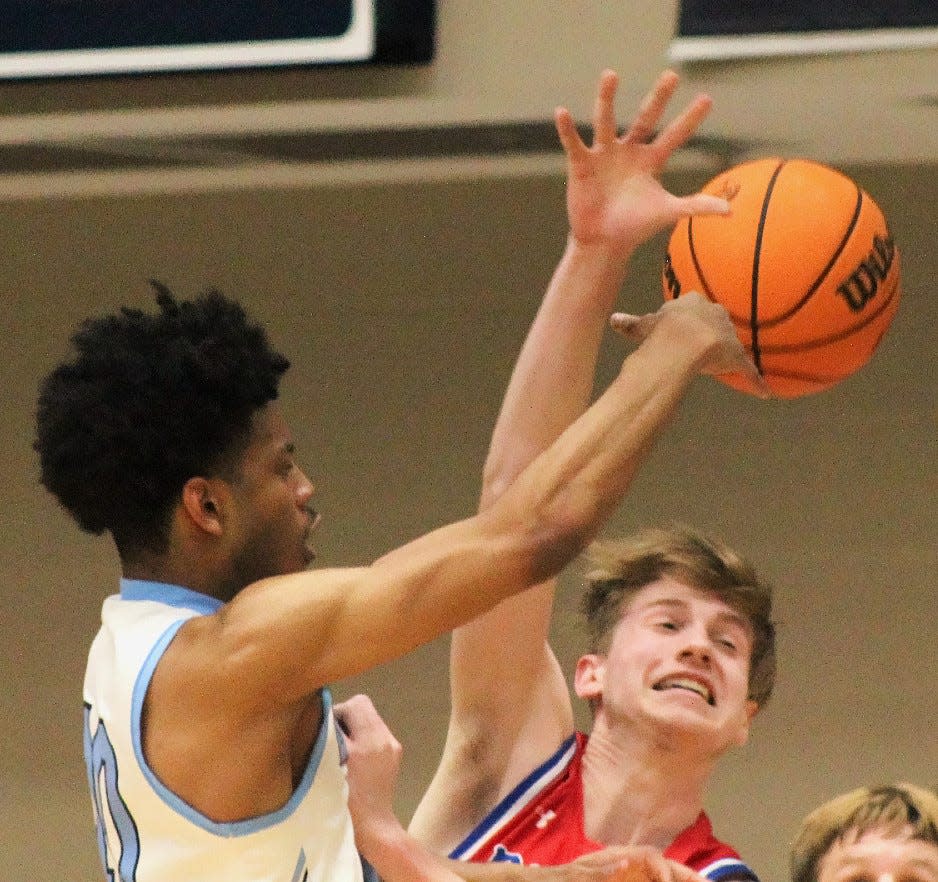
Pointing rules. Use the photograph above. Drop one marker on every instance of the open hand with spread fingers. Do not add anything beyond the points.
(614, 193)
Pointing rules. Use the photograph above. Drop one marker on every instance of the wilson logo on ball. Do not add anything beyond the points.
(862, 284)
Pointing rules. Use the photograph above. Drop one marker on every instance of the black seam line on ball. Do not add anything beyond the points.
(754, 290)
(824, 273)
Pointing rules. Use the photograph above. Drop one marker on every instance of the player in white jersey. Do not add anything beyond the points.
(145, 831)
(209, 734)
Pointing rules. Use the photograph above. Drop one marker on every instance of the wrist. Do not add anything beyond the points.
(604, 251)
(396, 856)
(599, 269)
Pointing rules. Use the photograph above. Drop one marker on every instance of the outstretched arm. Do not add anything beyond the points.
(249, 673)
(510, 703)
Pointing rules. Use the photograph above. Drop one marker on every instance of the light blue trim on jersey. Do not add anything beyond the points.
(484, 827)
(171, 595)
(300, 866)
(180, 806)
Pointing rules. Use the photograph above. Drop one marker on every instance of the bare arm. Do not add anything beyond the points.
(510, 703)
(283, 638)
(374, 757)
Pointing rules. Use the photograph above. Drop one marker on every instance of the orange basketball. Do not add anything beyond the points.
(804, 264)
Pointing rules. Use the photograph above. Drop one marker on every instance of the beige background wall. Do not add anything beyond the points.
(402, 293)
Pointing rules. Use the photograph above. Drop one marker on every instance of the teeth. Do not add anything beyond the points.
(692, 685)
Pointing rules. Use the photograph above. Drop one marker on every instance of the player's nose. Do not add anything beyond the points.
(696, 643)
(304, 490)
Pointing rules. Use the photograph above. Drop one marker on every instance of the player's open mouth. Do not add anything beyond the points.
(686, 683)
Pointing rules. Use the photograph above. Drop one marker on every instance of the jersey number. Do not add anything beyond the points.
(118, 840)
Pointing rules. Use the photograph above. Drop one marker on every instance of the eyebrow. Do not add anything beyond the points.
(728, 616)
(852, 861)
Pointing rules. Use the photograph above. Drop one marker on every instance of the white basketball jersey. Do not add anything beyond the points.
(148, 834)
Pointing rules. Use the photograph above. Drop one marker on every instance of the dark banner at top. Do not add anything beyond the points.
(723, 29)
(40, 38)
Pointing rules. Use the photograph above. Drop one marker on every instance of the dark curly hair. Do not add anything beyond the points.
(149, 401)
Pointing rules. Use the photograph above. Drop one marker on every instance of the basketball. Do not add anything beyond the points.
(804, 264)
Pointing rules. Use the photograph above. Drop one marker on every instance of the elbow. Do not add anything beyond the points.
(553, 538)
(493, 488)
(502, 468)
(556, 547)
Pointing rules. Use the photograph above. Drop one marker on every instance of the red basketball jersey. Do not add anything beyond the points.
(541, 822)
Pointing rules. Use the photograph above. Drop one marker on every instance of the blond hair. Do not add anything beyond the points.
(889, 808)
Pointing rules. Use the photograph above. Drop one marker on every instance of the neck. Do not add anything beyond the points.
(173, 571)
(638, 791)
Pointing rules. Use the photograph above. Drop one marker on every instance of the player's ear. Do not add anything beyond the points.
(750, 710)
(203, 505)
(589, 677)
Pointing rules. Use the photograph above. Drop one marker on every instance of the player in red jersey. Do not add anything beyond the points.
(683, 646)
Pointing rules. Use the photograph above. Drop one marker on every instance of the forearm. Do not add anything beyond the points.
(577, 483)
(398, 857)
(496, 872)
(552, 381)
(308, 629)
(568, 491)
(550, 387)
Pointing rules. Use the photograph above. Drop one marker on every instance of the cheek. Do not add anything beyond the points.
(740, 678)
(627, 670)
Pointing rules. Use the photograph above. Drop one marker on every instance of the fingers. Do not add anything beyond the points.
(727, 355)
(652, 866)
(629, 863)
(651, 108)
(633, 327)
(570, 138)
(701, 203)
(604, 117)
(680, 129)
(757, 383)
(356, 713)
(645, 124)
(361, 721)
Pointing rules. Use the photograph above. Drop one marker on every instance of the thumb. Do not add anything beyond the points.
(633, 327)
(703, 203)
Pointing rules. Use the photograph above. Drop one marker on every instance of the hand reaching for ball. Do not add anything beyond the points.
(706, 323)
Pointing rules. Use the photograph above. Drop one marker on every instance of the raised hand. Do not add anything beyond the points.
(614, 195)
(374, 758)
